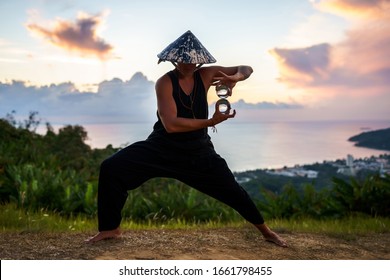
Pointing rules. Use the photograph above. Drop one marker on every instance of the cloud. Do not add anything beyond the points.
(350, 76)
(356, 8)
(303, 65)
(115, 101)
(80, 36)
(361, 60)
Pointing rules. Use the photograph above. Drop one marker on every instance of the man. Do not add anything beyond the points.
(179, 146)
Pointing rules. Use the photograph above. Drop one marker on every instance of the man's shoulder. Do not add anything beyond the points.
(164, 78)
(164, 82)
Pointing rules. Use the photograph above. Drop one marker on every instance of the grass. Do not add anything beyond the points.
(358, 224)
(14, 219)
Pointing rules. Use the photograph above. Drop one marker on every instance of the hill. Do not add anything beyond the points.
(376, 139)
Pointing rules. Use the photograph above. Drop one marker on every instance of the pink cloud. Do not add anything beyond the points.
(360, 61)
(356, 8)
(348, 78)
(79, 36)
(303, 65)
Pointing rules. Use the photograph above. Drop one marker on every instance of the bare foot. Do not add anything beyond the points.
(102, 235)
(274, 238)
(271, 236)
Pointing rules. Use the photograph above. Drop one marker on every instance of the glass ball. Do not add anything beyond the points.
(223, 106)
(223, 91)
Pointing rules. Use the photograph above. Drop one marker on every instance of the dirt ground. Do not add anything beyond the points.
(211, 244)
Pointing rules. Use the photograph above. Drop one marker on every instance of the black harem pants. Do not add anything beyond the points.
(199, 167)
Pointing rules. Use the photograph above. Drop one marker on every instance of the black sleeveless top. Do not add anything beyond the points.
(193, 106)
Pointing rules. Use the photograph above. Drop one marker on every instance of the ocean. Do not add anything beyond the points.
(260, 145)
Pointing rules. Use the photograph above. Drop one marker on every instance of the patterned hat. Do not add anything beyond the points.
(186, 49)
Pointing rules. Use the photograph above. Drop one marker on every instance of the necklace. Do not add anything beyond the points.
(191, 97)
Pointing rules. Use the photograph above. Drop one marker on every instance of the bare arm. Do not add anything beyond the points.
(168, 112)
(225, 75)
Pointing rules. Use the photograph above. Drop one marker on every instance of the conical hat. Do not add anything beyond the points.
(186, 49)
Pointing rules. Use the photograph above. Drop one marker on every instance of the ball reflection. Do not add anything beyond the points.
(223, 106)
(223, 91)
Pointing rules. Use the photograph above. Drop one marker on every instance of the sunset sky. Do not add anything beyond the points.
(313, 59)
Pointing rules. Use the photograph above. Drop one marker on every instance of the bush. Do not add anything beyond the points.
(370, 196)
